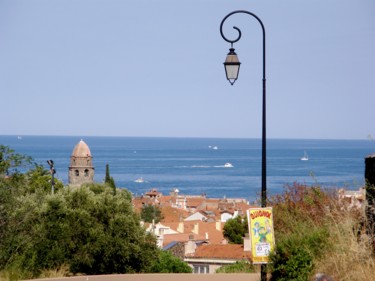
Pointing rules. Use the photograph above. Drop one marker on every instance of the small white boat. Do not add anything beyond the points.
(215, 147)
(305, 157)
(139, 180)
(228, 165)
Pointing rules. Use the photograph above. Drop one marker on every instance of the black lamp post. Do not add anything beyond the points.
(53, 172)
(232, 68)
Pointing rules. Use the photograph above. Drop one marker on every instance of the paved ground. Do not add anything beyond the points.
(163, 277)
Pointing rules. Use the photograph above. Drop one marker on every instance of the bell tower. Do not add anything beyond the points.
(81, 169)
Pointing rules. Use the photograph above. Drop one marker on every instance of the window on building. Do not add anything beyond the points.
(86, 173)
(77, 173)
(201, 269)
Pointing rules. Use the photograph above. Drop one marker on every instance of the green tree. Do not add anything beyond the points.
(235, 229)
(14, 186)
(11, 162)
(40, 178)
(92, 233)
(108, 180)
(87, 228)
(168, 263)
(151, 213)
(97, 188)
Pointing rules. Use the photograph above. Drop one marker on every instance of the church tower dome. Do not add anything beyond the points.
(81, 169)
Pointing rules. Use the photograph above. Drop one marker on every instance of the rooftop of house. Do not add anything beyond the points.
(208, 231)
(174, 215)
(192, 203)
(228, 251)
(153, 193)
(181, 237)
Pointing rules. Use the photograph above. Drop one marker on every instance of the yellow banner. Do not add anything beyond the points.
(261, 232)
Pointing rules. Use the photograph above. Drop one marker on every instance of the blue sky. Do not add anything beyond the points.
(154, 68)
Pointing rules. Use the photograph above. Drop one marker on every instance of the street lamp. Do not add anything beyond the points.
(53, 172)
(232, 68)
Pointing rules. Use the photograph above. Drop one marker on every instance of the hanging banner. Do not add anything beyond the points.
(261, 232)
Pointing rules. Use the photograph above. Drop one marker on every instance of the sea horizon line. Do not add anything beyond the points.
(186, 137)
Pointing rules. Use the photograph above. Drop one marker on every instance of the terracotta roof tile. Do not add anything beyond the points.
(182, 237)
(229, 251)
(206, 231)
(194, 202)
(171, 214)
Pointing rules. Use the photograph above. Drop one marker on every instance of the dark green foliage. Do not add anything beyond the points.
(235, 229)
(11, 162)
(14, 187)
(294, 255)
(97, 188)
(167, 263)
(40, 178)
(91, 230)
(92, 233)
(150, 213)
(108, 180)
(300, 231)
(238, 267)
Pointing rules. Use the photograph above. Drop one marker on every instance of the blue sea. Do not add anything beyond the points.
(194, 166)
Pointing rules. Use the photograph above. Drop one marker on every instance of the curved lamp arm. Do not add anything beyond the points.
(240, 34)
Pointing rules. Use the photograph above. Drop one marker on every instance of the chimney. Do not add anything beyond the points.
(247, 243)
(190, 245)
(180, 227)
(160, 241)
(218, 225)
(196, 228)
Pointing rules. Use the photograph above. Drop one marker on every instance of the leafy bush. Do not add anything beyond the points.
(294, 255)
(91, 233)
(168, 263)
(234, 230)
(150, 213)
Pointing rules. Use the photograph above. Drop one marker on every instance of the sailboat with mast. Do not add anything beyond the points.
(305, 157)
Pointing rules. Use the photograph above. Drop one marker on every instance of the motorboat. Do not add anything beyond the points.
(228, 165)
(139, 180)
